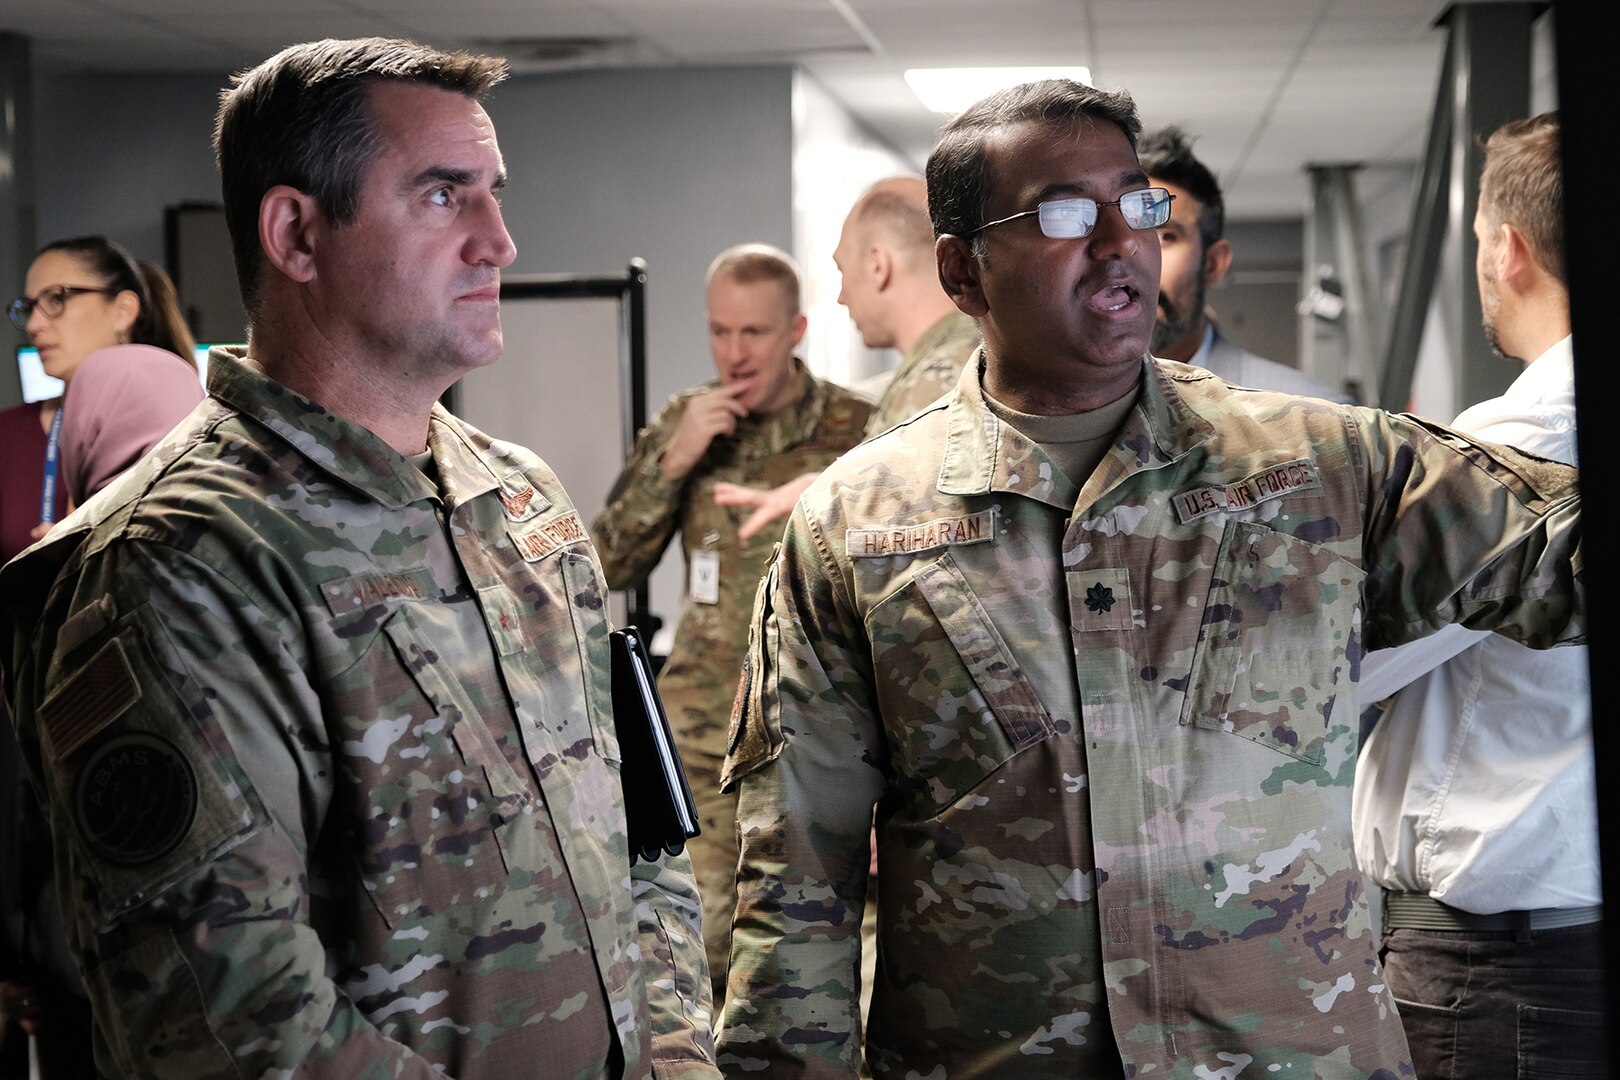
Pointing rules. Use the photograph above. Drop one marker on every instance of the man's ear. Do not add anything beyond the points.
(289, 221)
(959, 274)
(1217, 261)
(800, 324)
(880, 266)
(1516, 265)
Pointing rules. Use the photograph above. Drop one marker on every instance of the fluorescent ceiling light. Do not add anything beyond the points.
(950, 90)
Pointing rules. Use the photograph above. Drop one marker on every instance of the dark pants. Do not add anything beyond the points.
(1481, 1005)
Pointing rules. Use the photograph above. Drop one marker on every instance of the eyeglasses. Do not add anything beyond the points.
(50, 302)
(1070, 219)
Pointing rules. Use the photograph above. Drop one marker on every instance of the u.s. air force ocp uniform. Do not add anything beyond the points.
(699, 681)
(1110, 730)
(928, 370)
(331, 766)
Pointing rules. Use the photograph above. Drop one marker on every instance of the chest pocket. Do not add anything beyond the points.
(943, 669)
(587, 607)
(1280, 626)
(429, 788)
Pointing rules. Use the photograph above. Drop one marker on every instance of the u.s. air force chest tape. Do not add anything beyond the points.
(132, 759)
(548, 536)
(1272, 482)
(913, 539)
(535, 534)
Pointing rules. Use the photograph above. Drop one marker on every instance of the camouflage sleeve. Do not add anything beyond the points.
(643, 507)
(179, 750)
(679, 1002)
(1466, 532)
(806, 745)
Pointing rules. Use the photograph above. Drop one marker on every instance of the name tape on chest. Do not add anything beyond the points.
(370, 590)
(542, 540)
(1270, 483)
(912, 539)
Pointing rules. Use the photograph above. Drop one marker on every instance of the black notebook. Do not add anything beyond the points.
(658, 805)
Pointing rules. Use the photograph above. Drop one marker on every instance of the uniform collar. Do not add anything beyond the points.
(790, 425)
(952, 327)
(982, 454)
(343, 450)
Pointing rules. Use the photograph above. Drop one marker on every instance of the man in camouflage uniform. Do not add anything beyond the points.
(890, 285)
(318, 694)
(763, 420)
(1086, 633)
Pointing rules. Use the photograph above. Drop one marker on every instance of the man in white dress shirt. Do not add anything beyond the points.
(1474, 804)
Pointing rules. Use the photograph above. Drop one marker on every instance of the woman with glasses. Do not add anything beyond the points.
(111, 329)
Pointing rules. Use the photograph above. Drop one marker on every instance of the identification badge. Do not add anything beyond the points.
(704, 577)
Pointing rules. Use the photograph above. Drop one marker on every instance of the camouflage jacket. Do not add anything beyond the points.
(330, 763)
(929, 370)
(1111, 733)
(645, 508)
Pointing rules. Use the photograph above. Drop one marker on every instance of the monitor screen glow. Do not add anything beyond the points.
(38, 386)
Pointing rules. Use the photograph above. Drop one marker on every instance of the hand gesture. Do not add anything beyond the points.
(708, 415)
(768, 503)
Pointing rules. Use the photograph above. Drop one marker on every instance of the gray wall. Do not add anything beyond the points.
(670, 165)
(1255, 303)
(114, 150)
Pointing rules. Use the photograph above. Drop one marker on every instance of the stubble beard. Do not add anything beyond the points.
(1170, 325)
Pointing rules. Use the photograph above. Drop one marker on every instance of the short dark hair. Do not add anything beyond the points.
(160, 322)
(301, 118)
(1167, 155)
(1522, 184)
(958, 176)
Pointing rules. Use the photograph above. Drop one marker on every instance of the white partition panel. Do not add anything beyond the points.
(558, 390)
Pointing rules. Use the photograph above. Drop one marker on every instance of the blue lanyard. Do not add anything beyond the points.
(53, 446)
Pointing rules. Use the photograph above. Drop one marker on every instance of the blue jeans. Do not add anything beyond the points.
(1484, 1006)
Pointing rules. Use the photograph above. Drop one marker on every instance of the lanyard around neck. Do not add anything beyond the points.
(53, 449)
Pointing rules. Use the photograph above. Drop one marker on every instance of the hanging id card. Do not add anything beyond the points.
(704, 577)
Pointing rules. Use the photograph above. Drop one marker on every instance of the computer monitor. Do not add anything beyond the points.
(38, 386)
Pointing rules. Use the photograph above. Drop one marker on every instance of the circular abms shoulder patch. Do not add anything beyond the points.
(136, 798)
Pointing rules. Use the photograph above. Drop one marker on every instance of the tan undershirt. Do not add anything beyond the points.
(1075, 442)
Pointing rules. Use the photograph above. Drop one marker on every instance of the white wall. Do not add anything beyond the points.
(834, 161)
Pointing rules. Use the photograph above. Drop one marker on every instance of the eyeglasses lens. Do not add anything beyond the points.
(18, 311)
(1146, 209)
(1067, 219)
(1070, 219)
(50, 302)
